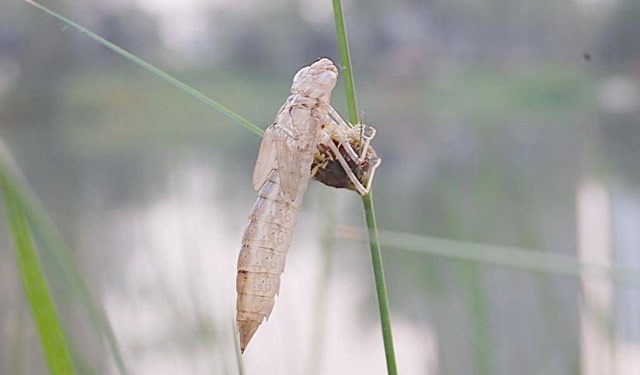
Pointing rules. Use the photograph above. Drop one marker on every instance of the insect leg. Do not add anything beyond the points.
(335, 116)
(373, 165)
(343, 127)
(362, 190)
(367, 133)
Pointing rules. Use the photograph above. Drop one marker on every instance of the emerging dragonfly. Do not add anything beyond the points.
(307, 139)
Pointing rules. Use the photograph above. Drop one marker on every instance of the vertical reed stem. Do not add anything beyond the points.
(367, 201)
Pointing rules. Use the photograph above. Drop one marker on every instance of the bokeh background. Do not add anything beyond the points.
(511, 123)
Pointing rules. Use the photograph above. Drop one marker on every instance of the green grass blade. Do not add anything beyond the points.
(61, 258)
(52, 337)
(381, 287)
(236, 347)
(345, 58)
(367, 201)
(57, 252)
(503, 256)
(152, 69)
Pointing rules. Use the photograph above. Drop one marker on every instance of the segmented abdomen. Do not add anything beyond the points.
(265, 243)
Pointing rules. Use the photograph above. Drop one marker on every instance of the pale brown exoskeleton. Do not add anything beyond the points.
(308, 138)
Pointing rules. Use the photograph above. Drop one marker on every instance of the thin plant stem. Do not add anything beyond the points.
(55, 250)
(352, 116)
(367, 200)
(152, 69)
(38, 294)
(483, 350)
(381, 287)
(236, 347)
(529, 260)
(345, 57)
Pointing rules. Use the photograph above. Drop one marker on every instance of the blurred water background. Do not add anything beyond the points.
(512, 123)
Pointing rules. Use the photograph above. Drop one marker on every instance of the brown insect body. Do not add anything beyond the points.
(280, 176)
(327, 170)
(308, 138)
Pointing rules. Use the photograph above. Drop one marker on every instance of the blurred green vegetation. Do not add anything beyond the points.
(127, 114)
(484, 136)
(100, 112)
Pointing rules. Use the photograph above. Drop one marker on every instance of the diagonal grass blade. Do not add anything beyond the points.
(54, 248)
(152, 69)
(38, 295)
